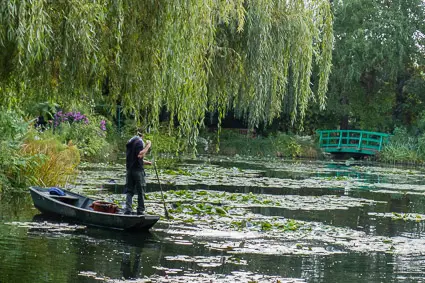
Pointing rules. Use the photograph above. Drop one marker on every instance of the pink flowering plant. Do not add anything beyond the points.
(70, 117)
(103, 125)
(87, 132)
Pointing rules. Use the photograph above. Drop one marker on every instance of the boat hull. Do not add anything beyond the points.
(77, 207)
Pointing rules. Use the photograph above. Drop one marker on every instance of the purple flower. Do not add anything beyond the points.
(103, 125)
(71, 117)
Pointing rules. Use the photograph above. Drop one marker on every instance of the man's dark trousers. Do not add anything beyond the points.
(136, 184)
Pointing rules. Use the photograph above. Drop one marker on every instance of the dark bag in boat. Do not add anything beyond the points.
(56, 192)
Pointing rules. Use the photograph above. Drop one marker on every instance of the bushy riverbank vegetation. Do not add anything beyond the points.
(48, 154)
(30, 155)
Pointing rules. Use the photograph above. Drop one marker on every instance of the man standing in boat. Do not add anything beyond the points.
(136, 149)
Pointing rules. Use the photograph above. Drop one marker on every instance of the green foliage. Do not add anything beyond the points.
(279, 144)
(406, 146)
(178, 172)
(13, 129)
(375, 40)
(45, 109)
(402, 147)
(164, 142)
(376, 44)
(85, 133)
(184, 56)
(411, 103)
(89, 139)
(22, 163)
(286, 143)
(53, 163)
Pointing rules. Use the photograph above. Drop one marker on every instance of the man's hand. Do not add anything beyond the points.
(145, 150)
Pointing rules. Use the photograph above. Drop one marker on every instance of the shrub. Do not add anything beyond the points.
(9, 165)
(166, 148)
(13, 129)
(88, 133)
(28, 157)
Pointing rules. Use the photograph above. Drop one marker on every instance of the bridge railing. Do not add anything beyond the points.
(352, 141)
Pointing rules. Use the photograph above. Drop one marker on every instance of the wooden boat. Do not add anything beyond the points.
(78, 208)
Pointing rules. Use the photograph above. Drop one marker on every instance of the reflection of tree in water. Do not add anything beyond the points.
(131, 262)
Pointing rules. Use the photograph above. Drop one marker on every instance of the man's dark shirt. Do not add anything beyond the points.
(134, 146)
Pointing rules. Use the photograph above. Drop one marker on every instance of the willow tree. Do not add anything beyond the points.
(187, 56)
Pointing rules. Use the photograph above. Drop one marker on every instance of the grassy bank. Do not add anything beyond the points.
(281, 145)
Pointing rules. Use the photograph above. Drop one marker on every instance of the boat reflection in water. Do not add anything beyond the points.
(121, 254)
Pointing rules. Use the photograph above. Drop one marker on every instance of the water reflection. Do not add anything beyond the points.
(131, 262)
(353, 217)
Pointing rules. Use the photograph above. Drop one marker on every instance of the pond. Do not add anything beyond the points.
(232, 220)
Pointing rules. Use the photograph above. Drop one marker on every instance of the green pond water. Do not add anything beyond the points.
(233, 220)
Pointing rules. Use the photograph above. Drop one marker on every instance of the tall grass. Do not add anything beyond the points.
(53, 163)
(403, 148)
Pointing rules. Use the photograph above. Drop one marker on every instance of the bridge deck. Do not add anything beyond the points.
(352, 141)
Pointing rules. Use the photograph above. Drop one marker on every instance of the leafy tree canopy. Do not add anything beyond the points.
(376, 43)
(187, 56)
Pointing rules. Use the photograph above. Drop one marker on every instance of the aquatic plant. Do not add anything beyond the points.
(403, 148)
(177, 172)
(400, 216)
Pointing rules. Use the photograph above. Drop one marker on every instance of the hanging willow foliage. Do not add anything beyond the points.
(187, 56)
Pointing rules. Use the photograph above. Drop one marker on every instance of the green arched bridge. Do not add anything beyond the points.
(352, 141)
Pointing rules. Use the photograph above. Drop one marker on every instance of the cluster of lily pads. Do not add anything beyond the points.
(232, 211)
(301, 175)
